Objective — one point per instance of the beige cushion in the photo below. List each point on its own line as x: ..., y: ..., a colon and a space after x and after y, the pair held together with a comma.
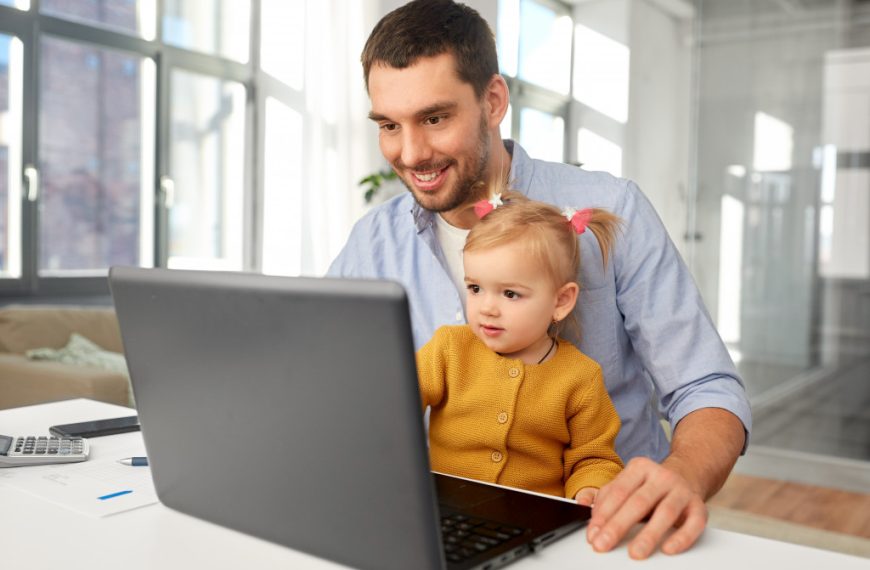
x: 24, y: 382
x: 24, y: 327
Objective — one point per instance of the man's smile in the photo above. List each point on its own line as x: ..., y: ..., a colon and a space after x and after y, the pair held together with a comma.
x: 429, y: 179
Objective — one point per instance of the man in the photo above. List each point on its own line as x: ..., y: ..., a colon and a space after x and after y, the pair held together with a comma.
x: 432, y: 76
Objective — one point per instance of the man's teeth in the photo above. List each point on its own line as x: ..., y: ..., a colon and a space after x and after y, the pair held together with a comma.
x: 428, y: 177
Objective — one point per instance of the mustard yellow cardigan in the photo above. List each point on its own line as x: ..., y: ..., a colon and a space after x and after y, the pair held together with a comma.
x: 547, y: 427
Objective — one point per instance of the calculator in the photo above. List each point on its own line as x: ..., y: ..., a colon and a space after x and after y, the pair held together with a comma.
x: 40, y: 450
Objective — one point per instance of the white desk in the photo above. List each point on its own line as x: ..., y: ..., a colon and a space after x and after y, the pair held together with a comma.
x: 38, y: 534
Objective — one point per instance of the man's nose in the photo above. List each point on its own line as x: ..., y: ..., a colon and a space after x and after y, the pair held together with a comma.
x: 415, y: 148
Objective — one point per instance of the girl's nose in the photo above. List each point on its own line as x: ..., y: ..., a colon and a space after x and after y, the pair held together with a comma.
x: 489, y: 306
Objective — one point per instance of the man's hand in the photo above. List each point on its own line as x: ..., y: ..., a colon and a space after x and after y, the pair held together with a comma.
x: 705, y: 447
x: 646, y: 487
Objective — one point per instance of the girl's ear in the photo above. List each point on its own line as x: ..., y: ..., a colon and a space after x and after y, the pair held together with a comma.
x: 566, y: 298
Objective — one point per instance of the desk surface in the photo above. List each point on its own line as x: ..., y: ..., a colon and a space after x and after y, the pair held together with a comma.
x: 46, y: 535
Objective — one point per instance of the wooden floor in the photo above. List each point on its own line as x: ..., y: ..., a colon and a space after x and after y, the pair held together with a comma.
x: 817, y: 507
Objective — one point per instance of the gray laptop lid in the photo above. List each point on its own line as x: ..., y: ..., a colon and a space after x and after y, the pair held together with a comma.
x: 308, y: 385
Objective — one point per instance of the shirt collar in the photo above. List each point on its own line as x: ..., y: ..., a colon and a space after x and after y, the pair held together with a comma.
x: 522, y: 167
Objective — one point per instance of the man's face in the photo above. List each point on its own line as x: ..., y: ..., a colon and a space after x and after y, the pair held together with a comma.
x: 432, y: 130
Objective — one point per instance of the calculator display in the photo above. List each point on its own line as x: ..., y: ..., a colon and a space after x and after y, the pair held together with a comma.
x: 5, y: 444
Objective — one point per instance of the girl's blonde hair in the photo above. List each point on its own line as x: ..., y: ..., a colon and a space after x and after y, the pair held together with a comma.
x: 545, y: 233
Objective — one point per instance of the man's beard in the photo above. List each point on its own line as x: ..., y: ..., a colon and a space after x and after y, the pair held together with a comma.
x: 468, y: 187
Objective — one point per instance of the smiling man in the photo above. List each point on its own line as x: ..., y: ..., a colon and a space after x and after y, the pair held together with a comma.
x: 432, y: 76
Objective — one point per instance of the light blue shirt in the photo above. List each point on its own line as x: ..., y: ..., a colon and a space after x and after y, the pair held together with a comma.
x: 642, y: 317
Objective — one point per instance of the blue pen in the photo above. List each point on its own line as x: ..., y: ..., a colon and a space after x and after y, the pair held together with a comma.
x: 134, y: 461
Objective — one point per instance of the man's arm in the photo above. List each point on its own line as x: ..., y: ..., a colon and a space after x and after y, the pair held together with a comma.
x: 705, y: 446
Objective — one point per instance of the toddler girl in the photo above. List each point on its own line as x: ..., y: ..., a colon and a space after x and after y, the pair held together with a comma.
x: 511, y: 402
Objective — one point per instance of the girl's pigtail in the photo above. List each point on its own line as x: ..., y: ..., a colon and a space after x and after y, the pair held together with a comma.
x: 603, y: 224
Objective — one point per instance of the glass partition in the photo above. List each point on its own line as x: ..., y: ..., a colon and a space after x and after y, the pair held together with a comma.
x: 783, y: 213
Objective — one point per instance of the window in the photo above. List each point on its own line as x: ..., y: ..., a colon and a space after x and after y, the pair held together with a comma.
x: 282, y: 190
x: 282, y: 41
x: 545, y: 47
x: 130, y: 16
x: 10, y: 156
x: 542, y: 134
x: 91, y: 158
x: 556, y: 89
x: 216, y: 27
x: 207, y: 141
x: 534, y: 45
x: 156, y: 132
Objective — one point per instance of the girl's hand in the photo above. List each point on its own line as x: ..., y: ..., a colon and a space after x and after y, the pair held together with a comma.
x: 586, y: 496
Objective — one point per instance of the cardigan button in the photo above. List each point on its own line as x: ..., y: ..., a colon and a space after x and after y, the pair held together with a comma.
x: 496, y: 456
x: 502, y: 418
x: 513, y: 372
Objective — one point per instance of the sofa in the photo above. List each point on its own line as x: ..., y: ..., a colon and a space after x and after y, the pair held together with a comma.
x: 45, y: 329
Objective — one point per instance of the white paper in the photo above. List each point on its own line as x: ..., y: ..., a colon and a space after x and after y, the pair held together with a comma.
x: 97, y: 487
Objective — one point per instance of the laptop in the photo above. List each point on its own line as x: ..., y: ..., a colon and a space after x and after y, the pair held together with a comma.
x: 288, y: 408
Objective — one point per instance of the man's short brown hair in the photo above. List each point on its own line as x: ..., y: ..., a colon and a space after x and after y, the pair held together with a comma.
x: 426, y: 28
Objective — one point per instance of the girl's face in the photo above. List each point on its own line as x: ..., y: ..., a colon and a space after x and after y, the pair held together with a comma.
x: 511, y: 301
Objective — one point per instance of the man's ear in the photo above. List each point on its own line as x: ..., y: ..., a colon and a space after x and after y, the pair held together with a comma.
x: 566, y: 298
x: 496, y: 100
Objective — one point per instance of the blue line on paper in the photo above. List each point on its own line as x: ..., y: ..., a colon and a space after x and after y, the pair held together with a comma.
x: 113, y: 495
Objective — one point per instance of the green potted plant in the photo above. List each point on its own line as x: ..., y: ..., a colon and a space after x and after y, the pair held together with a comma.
x: 373, y: 183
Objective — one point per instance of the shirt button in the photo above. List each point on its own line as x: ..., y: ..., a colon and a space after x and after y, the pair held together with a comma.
x: 502, y: 418
x: 496, y: 456
x: 514, y: 372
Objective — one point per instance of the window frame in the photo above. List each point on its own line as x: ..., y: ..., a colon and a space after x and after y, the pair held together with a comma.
x: 525, y: 94
x: 30, y: 26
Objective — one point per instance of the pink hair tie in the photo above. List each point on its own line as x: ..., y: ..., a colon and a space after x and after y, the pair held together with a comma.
x: 483, y: 207
x: 578, y: 219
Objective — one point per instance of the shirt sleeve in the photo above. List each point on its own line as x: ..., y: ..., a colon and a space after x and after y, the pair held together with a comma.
x: 356, y: 258
x: 667, y: 322
x: 590, y: 459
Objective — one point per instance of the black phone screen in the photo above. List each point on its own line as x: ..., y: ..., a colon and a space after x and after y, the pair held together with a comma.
x: 97, y: 428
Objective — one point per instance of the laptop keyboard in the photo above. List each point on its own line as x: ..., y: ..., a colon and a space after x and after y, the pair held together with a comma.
x: 465, y: 536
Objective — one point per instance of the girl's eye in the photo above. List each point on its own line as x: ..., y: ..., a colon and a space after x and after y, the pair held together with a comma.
x: 511, y: 294
x: 474, y: 288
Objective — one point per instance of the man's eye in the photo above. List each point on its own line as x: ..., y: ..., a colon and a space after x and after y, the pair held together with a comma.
x: 389, y: 127
x: 474, y: 288
x: 433, y: 120
x: 511, y: 294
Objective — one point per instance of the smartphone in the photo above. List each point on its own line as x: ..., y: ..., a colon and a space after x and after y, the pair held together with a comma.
x: 97, y: 428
